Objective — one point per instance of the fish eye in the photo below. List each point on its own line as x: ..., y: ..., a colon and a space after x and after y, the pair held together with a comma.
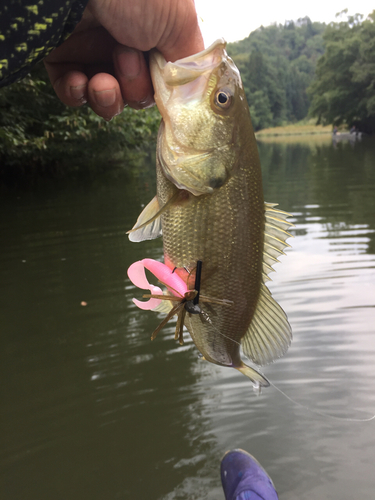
x: 223, y: 98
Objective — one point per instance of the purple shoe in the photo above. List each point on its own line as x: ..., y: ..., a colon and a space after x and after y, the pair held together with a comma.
x: 243, y: 478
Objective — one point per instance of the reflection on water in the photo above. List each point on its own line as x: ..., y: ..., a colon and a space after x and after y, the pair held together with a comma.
x: 91, y: 408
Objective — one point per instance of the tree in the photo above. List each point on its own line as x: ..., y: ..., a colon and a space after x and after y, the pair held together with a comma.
x: 364, y: 67
x: 260, y: 110
x: 37, y: 129
x: 262, y: 81
x: 344, y: 89
x: 277, y: 63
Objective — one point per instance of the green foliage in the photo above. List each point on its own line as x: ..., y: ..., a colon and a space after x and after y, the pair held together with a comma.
x: 344, y: 91
x: 260, y: 110
x: 37, y: 129
x: 277, y: 64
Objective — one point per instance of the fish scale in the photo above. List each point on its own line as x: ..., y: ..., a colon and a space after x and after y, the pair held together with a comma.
x: 224, y: 232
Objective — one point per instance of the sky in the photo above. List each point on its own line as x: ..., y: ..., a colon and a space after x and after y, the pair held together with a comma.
x: 235, y: 19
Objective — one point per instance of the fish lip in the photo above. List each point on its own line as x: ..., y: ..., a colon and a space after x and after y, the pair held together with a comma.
x: 190, y: 68
x: 219, y: 42
x: 166, y: 75
x: 197, y: 63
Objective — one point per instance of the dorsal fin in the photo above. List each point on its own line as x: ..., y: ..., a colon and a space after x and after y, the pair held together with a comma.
x: 269, y: 334
x: 275, y: 236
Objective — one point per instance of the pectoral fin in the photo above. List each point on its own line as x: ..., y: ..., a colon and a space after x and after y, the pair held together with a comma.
x: 148, y: 225
x: 164, y: 307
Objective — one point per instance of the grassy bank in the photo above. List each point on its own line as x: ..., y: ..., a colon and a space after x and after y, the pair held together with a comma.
x: 299, y: 128
x: 310, y: 140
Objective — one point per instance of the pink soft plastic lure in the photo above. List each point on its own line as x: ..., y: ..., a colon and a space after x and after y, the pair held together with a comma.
x: 163, y: 273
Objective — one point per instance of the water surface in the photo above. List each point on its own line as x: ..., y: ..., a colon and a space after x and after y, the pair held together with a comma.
x: 91, y: 408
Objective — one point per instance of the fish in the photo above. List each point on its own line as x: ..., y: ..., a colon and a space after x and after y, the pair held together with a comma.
x: 210, y: 211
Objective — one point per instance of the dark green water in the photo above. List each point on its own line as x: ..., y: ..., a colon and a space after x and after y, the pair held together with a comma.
x: 92, y: 409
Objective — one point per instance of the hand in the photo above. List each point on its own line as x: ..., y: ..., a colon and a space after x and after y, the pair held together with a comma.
x: 103, y: 63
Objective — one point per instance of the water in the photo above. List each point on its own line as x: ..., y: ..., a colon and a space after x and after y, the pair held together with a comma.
x: 91, y: 408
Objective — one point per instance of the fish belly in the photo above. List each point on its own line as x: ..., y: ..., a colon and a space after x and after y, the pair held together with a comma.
x: 225, y: 231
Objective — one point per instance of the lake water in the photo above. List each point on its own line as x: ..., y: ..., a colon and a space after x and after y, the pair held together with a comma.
x: 92, y: 409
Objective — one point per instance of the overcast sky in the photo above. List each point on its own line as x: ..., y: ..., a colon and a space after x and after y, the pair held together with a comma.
x: 235, y: 19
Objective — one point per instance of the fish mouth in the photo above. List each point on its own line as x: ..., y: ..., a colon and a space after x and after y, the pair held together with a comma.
x: 185, y: 74
x: 189, y: 68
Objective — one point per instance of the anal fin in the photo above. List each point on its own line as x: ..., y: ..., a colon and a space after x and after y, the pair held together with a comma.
x: 269, y: 334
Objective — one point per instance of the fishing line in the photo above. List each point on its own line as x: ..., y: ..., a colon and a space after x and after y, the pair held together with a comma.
x: 207, y: 318
x: 321, y: 413
x: 293, y: 401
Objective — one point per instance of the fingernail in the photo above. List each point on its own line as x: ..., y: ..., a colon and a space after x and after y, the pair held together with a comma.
x: 148, y: 102
x: 128, y: 62
x: 79, y: 93
x: 105, y: 98
x: 119, y: 110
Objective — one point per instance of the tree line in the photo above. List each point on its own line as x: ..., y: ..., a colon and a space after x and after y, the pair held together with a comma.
x: 304, y: 69
x: 290, y: 72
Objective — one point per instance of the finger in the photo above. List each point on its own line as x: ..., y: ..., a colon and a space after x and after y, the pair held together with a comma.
x: 71, y: 65
x: 69, y: 83
x: 104, y: 96
x: 184, y: 38
x: 133, y: 76
x: 184, y: 46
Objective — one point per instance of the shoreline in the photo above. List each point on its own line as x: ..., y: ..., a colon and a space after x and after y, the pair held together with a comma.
x: 294, y: 129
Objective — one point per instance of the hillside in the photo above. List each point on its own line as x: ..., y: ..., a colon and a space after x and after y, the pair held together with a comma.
x: 277, y: 64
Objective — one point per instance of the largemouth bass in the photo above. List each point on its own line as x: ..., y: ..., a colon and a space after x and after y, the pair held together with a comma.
x: 210, y: 210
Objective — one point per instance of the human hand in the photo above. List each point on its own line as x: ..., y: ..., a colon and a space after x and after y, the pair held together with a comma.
x: 102, y: 62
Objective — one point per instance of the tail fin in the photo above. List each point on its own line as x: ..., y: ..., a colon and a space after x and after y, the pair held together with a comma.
x: 257, y: 378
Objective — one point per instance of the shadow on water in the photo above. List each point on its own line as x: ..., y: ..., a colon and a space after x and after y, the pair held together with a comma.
x: 88, y: 402
x: 92, y: 409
